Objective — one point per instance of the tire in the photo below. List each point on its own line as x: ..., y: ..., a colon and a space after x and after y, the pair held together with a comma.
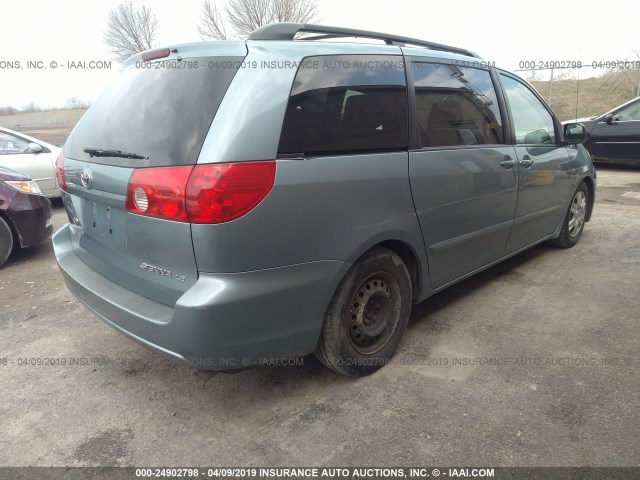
x: 6, y: 241
x: 574, y: 219
x: 367, y: 315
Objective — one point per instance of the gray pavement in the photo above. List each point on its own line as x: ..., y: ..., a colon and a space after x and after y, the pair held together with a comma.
x: 534, y: 362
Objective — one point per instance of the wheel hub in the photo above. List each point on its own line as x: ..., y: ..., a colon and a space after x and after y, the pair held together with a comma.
x: 578, y: 213
x: 370, y: 314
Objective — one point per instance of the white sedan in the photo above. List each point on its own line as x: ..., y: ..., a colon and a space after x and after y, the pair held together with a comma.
x: 32, y: 157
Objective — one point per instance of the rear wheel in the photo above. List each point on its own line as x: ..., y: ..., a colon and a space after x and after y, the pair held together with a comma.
x: 367, y: 315
x: 575, y: 218
x: 6, y: 241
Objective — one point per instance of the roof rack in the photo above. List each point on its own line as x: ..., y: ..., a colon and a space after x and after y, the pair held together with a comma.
x: 288, y: 30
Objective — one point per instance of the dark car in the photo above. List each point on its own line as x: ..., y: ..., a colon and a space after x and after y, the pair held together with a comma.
x: 615, y: 135
x: 25, y: 214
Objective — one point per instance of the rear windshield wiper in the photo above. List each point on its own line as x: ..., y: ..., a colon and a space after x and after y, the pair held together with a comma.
x: 100, y: 152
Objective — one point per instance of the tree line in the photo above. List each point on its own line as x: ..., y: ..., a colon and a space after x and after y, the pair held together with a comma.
x: 72, y: 103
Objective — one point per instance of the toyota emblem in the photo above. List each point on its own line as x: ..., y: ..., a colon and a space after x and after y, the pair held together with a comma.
x: 85, y: 178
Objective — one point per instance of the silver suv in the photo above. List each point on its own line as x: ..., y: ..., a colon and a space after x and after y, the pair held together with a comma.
x: 231, y: 203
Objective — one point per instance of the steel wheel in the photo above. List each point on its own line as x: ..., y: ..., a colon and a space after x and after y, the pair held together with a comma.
x: 367, y: 315
x: 374, y: 313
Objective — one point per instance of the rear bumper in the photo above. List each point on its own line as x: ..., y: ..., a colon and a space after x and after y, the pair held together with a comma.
x: 224, y: 321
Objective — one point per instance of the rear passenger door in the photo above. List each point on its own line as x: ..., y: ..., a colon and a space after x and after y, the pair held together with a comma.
x: 342, y: 181
x: 463, y: 176
x: 545, y: 181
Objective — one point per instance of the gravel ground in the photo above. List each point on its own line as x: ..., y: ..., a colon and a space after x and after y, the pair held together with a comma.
x: 556, y: 333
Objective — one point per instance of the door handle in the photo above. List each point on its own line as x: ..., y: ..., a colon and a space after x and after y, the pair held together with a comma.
x: 526, y: 162
x: 507, y: 162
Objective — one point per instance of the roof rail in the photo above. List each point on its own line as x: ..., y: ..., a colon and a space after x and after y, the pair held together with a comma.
x: 288, y: 30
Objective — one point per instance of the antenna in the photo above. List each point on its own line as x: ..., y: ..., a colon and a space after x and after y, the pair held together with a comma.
x: 578, y: 93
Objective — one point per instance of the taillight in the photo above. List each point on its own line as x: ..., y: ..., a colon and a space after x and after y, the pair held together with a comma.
x: 159, y: 192
x: 62, y: 182
x: 221, y: 192
x: 212, y: 193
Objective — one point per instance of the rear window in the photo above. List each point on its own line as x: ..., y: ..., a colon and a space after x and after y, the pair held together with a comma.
x: 346, y: 103
x: 162, y: 113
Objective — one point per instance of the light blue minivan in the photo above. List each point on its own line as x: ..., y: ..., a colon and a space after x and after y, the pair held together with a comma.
x: 235, y: 202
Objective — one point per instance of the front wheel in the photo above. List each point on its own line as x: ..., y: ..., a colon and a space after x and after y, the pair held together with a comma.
x: 6, y: 241
x: 575, y: 218
x: 367, y: 315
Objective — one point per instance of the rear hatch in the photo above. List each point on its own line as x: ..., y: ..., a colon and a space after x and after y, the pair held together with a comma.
x: 160, y: 111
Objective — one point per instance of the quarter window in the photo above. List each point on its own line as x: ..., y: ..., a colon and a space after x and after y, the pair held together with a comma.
x: 343, y: 104
x: 455, y: 105
x: 532, y: 122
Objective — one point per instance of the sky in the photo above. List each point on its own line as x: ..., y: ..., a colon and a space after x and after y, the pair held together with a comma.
x: 52, y: 34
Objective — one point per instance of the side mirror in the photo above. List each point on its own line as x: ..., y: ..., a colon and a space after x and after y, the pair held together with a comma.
x: 609, y: 119
x: 34, y: 148
x: 574, y: 133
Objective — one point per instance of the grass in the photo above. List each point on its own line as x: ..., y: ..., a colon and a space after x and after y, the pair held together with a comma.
x: 591, y: 96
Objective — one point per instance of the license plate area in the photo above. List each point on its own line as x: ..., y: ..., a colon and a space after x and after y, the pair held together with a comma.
x: 103, y: 223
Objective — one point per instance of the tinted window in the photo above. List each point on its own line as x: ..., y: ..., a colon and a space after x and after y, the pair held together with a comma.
x: 345, y: 103
x: 163, y: 113
x: 455, y: 105
x: 532, y: 122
